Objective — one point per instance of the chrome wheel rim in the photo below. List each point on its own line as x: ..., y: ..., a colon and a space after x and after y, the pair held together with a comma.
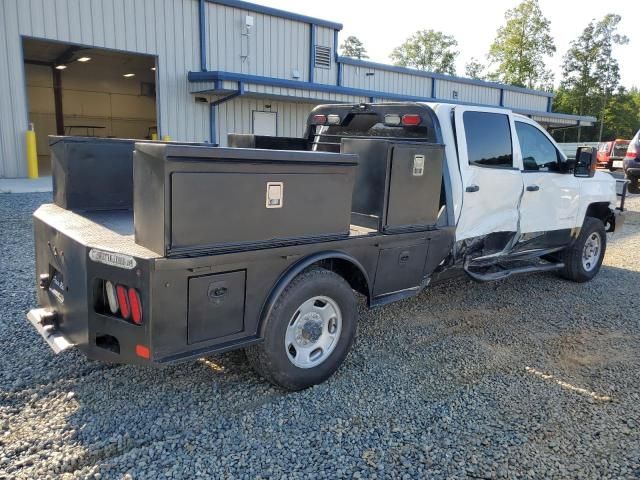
x: 313, y: 332
x: 591, y: 252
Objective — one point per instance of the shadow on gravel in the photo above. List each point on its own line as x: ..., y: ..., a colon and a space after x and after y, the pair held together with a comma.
x: 458, y: 358
x: 530, y: 377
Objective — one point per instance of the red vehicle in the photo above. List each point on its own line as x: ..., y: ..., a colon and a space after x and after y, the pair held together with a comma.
x: 611, y: 154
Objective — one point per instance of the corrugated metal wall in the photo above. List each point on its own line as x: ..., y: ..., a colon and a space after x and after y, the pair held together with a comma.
x: 166, y: 28
x: 327, y: 76
x: 236, y: 116
x: 169, y: 29
x: 465, y: 92
x: 273, y: 47
x: 385, y: 81
x: 525, y: 101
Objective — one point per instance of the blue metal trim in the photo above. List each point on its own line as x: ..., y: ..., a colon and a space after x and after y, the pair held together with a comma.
x: 502, y: 97
x: 231, y: 96
x: 297, y: 84
x: 339, y: 79
x: 433, y: 88
x: 212, y: 123
x: 371, y: 99
x: 277, y: 13
x: 440, y: 76
x: 549, y: 104
x: 203, y: 36
x: 312, y: 52
x: 215, y: 103
x: 335, y: 45
x: 281, y: 82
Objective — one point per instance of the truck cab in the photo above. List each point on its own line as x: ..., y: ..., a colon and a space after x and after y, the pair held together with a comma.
x: 507, y: 183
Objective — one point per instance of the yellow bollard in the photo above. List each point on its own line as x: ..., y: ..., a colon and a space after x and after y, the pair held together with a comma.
x: 154, y: 136
x: 166, y: 138
x: 32, y: 153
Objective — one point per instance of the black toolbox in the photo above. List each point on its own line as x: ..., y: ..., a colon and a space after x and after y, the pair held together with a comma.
x: 398, y: 183
x: 91, y: 173
x: 191, y: 200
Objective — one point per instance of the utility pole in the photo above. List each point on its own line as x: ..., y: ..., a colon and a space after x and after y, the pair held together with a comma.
x: 604, y: 97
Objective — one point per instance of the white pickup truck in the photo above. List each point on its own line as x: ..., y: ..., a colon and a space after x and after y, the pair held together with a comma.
x: 262, y: 245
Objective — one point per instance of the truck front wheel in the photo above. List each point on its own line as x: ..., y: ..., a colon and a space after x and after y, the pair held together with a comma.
x: 309, y: 331
x: 582, y: 261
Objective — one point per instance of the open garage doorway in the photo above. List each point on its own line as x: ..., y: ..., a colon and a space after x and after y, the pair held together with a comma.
x: 86, y: 91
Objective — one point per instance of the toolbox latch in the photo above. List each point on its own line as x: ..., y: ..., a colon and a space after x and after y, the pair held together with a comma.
x: 274, y: 194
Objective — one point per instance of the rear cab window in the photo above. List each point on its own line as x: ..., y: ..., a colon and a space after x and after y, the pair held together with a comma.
x: 489, y: 141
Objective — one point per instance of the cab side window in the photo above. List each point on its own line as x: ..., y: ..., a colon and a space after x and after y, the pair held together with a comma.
x: 538, y: 153
x: 488, y: 139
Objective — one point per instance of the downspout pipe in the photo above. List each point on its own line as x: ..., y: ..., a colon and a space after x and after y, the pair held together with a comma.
x: 212, y: 110
x: 203, y: 36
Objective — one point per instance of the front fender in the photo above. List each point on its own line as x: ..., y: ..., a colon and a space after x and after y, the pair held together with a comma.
x: 601, y: 188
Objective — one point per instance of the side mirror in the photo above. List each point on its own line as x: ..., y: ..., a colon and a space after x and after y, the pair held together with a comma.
x: 569, y: 165
x: 585, y: 163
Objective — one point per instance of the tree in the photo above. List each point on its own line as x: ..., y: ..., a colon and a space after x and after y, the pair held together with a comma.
x: 474, y: 69
x: 428, y: 50
x: 622, y: 115
x: 590, y: 73
x: 521, y: 46
x: 354, y: 48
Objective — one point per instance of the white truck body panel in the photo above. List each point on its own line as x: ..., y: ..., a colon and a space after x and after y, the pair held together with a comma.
x: 503, y: 203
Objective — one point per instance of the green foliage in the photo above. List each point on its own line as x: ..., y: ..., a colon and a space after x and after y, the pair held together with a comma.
x: 354, y: 48
x: 590, y: 76
x: 474, y: 69
x: 521, y: 46
x: 428, y: 50
x: 622, y: 115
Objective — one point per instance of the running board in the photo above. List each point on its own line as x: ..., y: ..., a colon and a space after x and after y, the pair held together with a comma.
x: 505, y: 273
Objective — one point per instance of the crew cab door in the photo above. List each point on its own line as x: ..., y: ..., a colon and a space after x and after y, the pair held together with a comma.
x: 549, y: 206
x: 491, y: 177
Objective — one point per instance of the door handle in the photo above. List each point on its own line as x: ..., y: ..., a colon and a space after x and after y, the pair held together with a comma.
x: 472, y: 188
x: 532, y: 188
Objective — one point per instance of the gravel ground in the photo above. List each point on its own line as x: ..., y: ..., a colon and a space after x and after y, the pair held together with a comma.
x: 532, y: 377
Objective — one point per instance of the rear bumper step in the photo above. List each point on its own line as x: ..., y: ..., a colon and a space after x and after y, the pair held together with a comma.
x: 39, y: 318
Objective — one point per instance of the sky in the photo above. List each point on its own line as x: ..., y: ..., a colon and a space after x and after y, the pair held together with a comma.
x: 381, y: 26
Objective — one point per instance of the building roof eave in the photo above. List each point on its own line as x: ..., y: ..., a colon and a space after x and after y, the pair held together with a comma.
x: 210, y: 82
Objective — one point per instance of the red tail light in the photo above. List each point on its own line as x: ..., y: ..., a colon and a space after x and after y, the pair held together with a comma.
x: 136, y: 307
x: 411, y: 120
x: 123, y: 301
x: 319, y: 119
x: 631, y: 151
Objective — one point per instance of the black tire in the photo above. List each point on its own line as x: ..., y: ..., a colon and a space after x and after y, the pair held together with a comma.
x: 574, y: 268
x: 270, y: 358
x: 634, y: 185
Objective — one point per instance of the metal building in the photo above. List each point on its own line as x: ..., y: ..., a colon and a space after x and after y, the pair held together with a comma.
x: 199, y: 69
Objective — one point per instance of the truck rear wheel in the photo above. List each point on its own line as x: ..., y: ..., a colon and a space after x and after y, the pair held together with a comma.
x: 582, y: 261
x: 309, y: 331
x: 634, y: 185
